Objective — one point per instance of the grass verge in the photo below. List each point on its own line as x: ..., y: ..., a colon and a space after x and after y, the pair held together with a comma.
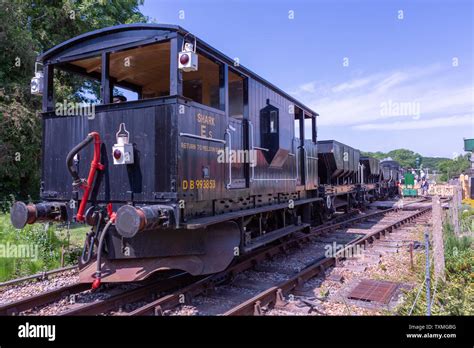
x: 36, y: 248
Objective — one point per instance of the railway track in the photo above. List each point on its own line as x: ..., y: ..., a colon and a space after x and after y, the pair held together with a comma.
x: 38, y: 276
x: 275, y: 295
x: 101, y: 304
x: 41, y: 299
x: 260, y: 282
x: 156, y: 297
x: 79, y: 299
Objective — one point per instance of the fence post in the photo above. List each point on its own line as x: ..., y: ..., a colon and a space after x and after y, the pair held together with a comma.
x: 427, y: 274
x: 437, y: 237
x: 455, y: 210
x: 62, y: 256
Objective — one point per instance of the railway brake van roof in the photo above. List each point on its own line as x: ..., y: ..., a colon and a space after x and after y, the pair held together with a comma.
x: 126, y: 36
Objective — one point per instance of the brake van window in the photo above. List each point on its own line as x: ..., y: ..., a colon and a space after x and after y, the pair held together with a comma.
x: 202, y: 85
x: 143, y: 72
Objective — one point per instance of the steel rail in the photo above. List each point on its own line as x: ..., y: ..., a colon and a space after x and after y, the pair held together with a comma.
x: 275, y: 295
x: 37, y: 276
x: 94, y: 308
x: 175, y: 298
x: 41, y: 299
x: 127, y: 296
x: 185, y: 294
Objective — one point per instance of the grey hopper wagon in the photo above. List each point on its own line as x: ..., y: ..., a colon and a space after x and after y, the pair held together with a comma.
x: 337, y: 162
x: 371, y: 169
x: 390, y: 170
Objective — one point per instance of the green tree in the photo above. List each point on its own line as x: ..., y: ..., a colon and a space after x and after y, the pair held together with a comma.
x: 453, y: 168
x: 406, y: 158
x: 445, y: 166
x: 379, y: 155
x: 433, y: 162
x: 27, y: 28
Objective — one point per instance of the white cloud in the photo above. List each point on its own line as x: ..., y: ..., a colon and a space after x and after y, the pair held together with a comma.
x: 441, y: 122
x: 308, y: 87
x: 438, y: 93
x: 351, y: 85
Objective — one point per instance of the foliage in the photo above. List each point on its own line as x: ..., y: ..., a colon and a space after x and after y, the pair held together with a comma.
x: 42, y: 243
x: 457, y: 292
x: 406, y: 158
x: 453, y: 168
x: 454, y: 295
x: 19, y: 148
x: 432, y: 162
x: 45, y: 243
x: 445, y: 166
x: 468, y: 201
x: 27, y: 28
x: 467, y: 216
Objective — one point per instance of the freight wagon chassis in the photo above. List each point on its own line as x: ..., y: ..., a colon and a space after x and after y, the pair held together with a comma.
x: 203, y: 246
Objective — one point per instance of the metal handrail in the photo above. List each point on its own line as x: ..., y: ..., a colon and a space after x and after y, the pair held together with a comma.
x: 189, y: 135
x: 229, y: 184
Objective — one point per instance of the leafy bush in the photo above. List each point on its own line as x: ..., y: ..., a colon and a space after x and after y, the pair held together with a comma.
x: 43, y: 244
x: 26, y: 29
x: 455, y: 295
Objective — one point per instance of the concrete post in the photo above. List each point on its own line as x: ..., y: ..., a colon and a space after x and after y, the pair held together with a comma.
x: 437, y: 237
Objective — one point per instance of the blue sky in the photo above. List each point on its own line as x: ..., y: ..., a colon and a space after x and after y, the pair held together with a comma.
x: 382, y: 74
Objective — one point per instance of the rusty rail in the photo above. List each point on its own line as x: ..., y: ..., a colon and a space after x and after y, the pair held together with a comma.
x: 93, y: 308
x: 42, y: 299
x: 192, y: 285
x: 183, y: 296
x: 37, y: 276
x: 120, y: 299
x: 275, y: 295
